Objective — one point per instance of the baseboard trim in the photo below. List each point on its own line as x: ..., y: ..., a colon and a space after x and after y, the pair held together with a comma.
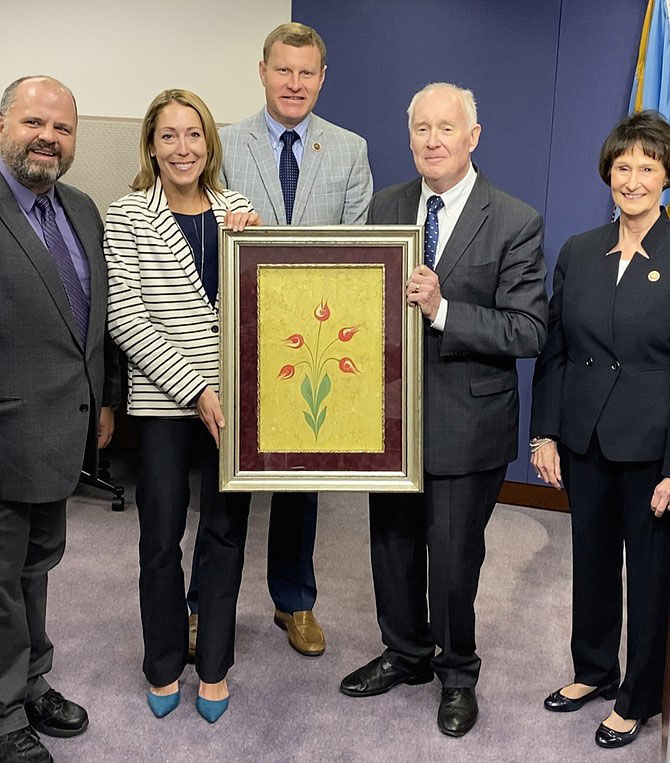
x: 536, y: 496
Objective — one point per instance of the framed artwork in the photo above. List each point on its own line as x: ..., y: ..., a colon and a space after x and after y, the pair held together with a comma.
x: 321, y: 359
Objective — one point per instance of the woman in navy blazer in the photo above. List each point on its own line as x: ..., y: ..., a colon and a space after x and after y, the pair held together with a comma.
x: 600, y: 421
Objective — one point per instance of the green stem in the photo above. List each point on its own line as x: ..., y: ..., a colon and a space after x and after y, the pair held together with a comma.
x: 324, y: 363
x: 316, y: 355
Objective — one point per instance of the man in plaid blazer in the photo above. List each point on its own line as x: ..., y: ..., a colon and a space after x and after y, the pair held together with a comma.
x: 334, y: 186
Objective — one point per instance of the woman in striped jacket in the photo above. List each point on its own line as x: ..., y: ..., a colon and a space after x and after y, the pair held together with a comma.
x: 162, y: 254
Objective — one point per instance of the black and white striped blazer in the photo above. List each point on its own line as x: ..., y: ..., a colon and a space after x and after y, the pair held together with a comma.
x: 159, y: 313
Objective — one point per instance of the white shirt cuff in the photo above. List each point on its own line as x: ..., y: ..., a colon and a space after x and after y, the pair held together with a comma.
x: 441, y: 318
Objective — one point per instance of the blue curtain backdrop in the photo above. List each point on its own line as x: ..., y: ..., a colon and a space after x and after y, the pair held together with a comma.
x: 551, y: 78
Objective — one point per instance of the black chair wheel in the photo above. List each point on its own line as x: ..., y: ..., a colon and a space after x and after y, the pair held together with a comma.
x: 118, y: 503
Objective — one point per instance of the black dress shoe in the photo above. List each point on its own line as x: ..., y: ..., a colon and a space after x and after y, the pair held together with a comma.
x: 609, y: 738
x: 458, y: 711
x: 559, y: 703
x: 56, y: 716
x: 23, y: 746
x: 380, y: 675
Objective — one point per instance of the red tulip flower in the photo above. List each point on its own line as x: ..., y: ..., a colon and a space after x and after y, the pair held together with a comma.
x: 345, y: 334
x: 322, y: 312
x: 286, y: 372
x: 294, y: 341
x: 347, y: 366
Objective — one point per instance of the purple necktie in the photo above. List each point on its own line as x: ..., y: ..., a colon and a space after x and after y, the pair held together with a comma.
x: 432, y: 233
x: 68, y: 275
x: 288, y: 171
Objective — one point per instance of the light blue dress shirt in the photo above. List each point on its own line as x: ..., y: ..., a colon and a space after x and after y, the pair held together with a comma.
x: 275, y: 131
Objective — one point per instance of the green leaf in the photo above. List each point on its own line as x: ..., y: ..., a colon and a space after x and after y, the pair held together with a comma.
x: 324, y: 389
x: 306, y: 390
x: 310, y: 420
x: 320, y: 420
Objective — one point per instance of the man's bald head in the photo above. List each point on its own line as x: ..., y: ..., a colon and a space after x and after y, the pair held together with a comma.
x: 38, y: 131
x: 9, y: 95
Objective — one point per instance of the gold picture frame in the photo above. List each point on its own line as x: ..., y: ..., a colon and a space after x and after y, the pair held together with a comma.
x: 321, y: 359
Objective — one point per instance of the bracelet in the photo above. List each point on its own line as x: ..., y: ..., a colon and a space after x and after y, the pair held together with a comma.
x: 539, y: 442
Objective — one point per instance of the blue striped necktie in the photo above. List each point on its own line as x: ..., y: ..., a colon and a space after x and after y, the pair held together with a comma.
x: 432, y: 233
x: 288, y: 171
x: 68, y: 275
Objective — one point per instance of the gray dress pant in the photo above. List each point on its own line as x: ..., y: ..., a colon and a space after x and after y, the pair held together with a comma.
x: 32, y: 542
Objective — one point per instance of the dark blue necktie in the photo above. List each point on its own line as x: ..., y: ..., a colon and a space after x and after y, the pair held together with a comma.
x: 68, y: 275
x: 288, y: 171
x: 432, y: 232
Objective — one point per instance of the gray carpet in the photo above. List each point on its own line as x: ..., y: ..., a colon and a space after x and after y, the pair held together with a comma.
x: 287, y: 707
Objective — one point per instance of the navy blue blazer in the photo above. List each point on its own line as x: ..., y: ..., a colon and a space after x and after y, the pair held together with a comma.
x: 606, y: 364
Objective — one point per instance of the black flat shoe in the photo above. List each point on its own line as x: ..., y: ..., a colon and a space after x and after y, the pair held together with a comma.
x: 458, y: 711
x: 559, y: 703
x: 380, y: 675
x: 609, y: 738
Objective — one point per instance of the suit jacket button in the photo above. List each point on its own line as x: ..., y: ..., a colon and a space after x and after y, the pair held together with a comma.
x: 615, y: 366
x: 215, y: 329
x: 83, y: 407
x: 589, y: 361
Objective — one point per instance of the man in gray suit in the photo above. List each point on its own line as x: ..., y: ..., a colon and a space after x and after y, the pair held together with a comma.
x: 296, y: 169
x: 481, y: 292
x: 53, y: 292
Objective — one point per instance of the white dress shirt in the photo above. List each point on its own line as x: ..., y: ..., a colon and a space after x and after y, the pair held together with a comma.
x: 454, y: 201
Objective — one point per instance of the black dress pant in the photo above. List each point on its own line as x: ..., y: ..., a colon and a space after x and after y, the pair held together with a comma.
x: 448, y: 522
x: 167, y: 449
x: 32, y: 541
x: 291, y: 538
x: 610, y: 505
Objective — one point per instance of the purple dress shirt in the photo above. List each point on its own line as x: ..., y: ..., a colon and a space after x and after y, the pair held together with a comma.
x: 25, y: 198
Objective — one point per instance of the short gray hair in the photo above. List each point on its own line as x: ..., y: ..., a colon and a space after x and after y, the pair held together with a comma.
x: 9, y: 96
x: 466, y: 97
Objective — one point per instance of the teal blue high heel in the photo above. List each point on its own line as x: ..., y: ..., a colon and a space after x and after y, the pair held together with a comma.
x: 161, y: 705
x: 210, y: 709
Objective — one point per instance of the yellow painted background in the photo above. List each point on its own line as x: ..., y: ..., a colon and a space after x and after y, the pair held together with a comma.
x: 287, y: 298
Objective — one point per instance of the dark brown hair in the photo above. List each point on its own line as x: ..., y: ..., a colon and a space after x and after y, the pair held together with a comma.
x: 649, y: 130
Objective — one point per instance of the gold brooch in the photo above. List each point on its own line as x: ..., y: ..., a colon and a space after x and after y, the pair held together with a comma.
x: 654, y: 276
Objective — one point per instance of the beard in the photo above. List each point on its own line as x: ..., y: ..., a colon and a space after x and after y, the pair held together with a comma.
x: 30, y: 173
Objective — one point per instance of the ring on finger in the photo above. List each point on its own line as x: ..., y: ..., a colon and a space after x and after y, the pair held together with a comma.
x: 416, y: 287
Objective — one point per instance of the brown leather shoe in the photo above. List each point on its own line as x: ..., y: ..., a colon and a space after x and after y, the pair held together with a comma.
x: 192, y: 635
x: 304, y: 632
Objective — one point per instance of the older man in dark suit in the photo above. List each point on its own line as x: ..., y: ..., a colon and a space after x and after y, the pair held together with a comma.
x: 481, y: 292
x: 53, y: 292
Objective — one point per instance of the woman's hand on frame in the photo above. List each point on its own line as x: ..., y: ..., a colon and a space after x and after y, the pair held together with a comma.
x: 238, y: 221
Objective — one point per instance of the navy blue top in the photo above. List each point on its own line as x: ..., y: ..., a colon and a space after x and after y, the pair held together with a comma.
x: 192, y: 227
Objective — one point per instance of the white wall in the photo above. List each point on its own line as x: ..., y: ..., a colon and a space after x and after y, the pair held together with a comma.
x: 116, y: 55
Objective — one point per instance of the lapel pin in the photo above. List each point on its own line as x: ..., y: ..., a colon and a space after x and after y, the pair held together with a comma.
x: 654, y: 276
x: 316, y: 146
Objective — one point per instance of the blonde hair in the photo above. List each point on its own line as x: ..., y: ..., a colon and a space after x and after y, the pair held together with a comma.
x: 295, y: 34
x: 148, y: 173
